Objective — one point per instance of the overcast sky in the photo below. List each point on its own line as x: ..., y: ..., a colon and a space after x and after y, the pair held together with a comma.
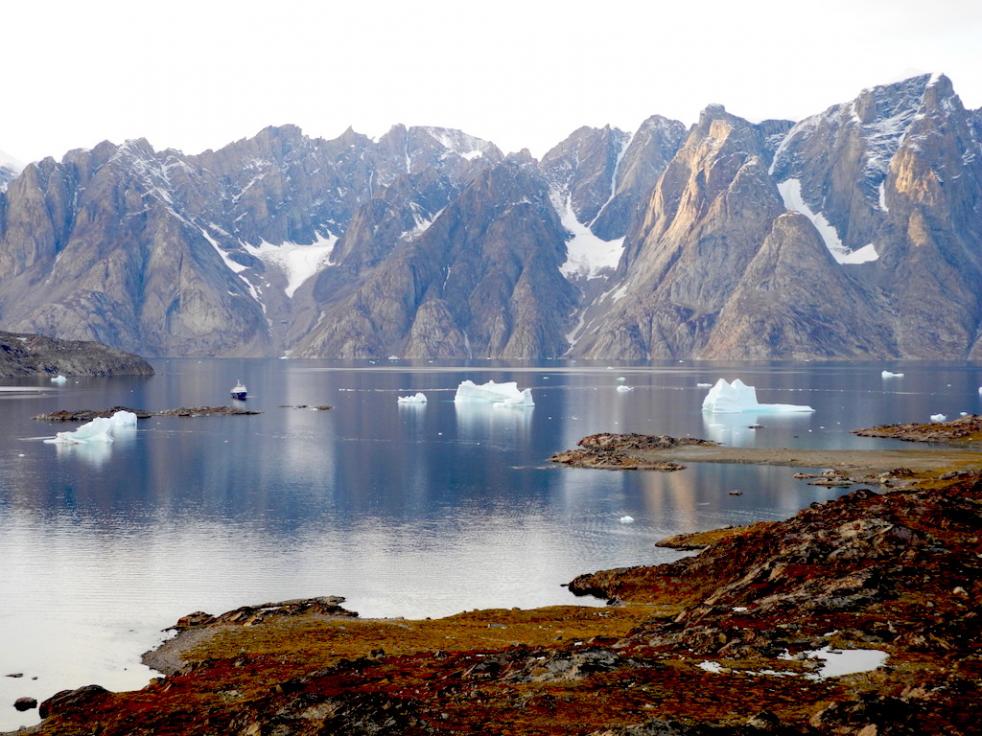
x: 196, y: 75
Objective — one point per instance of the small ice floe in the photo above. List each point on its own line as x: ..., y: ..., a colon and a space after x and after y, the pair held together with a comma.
x: 60, y: 380
x: 621, y: 379
x: 622, y: 389
x: 889, y: 374
x: 494, y: 394
x: 704, y: 385
x: 99, y: 430
x: 417, y: 399
x: 963, y: 413
x: 938, y: 417
x: 732, y: 398
x: 393, y: 357
x: 626, y: 519
x: 839, y: 662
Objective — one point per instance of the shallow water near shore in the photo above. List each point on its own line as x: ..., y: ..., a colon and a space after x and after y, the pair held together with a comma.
x: 405, y: 510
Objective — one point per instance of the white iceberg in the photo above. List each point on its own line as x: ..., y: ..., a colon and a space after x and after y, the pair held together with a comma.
x: 888, y: 374
x: 626, y: 519
x: 704, y: 385
x: 737, y: 397
x: 495, y: 394
x: 99, y: 430
x: 417, y: 398
x: 938, y: 417
x: 60, y: 380
x: 622, y: 389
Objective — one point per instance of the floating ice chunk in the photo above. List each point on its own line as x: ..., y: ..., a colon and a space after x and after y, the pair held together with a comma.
x: 417, y: 398
x: 888, y: 374
x: 393, y: 357
x: 626, y: 519
x: 496, y: 394
x: 963, y: 413
x: 704, y: 385
x: 736, y: 397
x: 621, y: 379
x: 622, y: 389
x: 99, y: 430
x: 938, y: 417
x: 60, y: 380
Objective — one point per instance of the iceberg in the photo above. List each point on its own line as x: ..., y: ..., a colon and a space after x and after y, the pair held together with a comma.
x: 495, y: 394
x: 704, y: 385
x: 938, y: 417
x: 888, y: 374
x: 626, y: 519
x: 737, y: 397
x: 60, y: 380
x: 99, y: 430
x: 417, y: 398
x: 622, y: 389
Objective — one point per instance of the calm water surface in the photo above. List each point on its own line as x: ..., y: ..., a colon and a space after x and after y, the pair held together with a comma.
x: 404, y: 510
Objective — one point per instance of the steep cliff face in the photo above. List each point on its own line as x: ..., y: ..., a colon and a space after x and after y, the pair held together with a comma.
x: 481, y: 280
x: 707, y: 217
x: 641, y: 163
x: 794, y: 301
x: 931, y: 241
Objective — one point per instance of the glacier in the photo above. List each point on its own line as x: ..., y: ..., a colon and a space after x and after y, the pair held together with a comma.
x: 737, y: 397
x: 494, y: 394
x: 99, y: 430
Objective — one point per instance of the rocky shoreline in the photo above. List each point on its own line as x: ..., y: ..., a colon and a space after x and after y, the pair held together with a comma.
x: 625, y: 451
x: 841, y: 468
x: 87, y: 415
x: 737, y: 639
x: 24, y: 355
x: 963, y: 430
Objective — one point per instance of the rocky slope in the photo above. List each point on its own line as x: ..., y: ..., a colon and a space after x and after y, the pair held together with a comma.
x: 24, y: 355
x: 428, y: 242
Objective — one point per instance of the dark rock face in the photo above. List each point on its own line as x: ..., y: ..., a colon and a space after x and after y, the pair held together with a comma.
x: 483, y: 279
x: 25, y: 703
x: 80, y: 698
x: 28, y: 355
x: 334, y: 248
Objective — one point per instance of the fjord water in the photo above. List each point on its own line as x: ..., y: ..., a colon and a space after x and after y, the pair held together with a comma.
x: 405, y: 510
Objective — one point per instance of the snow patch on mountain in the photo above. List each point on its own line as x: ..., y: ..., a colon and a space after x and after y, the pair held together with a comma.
x: 587, y: 256
x: 297, y: 261
x: 790, y: 190
x: 457, y: 141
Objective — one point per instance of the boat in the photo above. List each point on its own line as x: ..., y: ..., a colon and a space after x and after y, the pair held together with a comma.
x: 239, y: 391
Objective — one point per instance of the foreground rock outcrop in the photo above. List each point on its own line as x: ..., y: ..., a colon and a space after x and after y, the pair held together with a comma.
x: 725, y: 642
x: 29, y: 355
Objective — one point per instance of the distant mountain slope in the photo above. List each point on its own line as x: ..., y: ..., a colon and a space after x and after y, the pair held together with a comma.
x: 856, y: 232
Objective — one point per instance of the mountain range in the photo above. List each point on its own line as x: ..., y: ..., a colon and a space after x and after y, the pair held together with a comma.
x: 854, y: 233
